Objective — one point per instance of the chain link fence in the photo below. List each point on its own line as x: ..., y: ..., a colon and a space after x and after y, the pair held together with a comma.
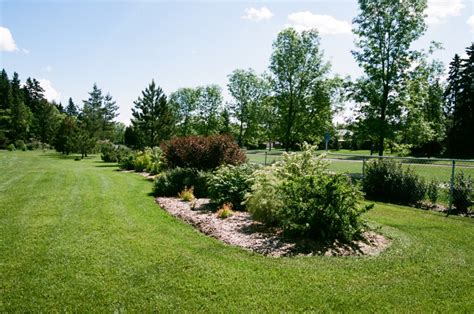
x: 451, y: 177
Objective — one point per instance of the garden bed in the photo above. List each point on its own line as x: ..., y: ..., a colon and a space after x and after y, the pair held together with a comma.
x: 240, y: 230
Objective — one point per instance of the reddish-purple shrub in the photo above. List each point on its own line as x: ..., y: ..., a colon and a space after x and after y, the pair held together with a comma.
x: 202, y: 152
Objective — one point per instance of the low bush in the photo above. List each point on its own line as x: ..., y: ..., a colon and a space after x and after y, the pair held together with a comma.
x: 113, y: 153
x: 187, y: 194
x: 300, y: 195
x: 34, y: 144
x: 230, y: 184
x: 462, y: 193
x: 142, y: 161
x: 225, y: 211
x: 20, y: 145
x: 387, y: 181
x: 432, y: 191
x: 173, y: 181
x: 11, y: 147
x: 127, y: 162
x: 156, y: 164
x: 200, y: 152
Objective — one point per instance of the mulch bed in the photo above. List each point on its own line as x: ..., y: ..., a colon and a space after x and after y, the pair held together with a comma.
x: 240, y: 230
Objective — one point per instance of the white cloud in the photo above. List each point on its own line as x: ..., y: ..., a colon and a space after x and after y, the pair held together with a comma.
x: 50, y: 93
x: 25, y: 51
x: 6, y: 40
x: 257, y: 15
x: 439, y: 11
x: 325, y: 24
x: 48, y: 69
x: 470, y: 22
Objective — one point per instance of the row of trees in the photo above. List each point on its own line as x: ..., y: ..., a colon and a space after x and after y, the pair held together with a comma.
x: 26, y: 116
x: 291, y: 103
x: 402, y: 101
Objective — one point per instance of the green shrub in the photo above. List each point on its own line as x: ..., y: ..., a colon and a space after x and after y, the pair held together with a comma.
x: 201, y: 152
x: 462, y: 193
x: 127, y: 161
x: 113, y: 153
x: 34, y: 144
x: 387, y: 181
x: 230, y: 184
x: 20, y: 145
x: 173, y: 181
x: 187, y: 194
x: 156, y: 161
x: 11, y: 147
x: 300, y: 195
x: 142, y: 161
x: 432, y: 191
x: 225, y: 211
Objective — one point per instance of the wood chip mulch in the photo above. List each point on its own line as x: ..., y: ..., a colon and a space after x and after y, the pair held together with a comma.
x: 240, y: 230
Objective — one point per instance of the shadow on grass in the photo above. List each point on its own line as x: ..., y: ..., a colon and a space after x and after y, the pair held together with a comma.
x: 107, y: 166
x: 63, y: 156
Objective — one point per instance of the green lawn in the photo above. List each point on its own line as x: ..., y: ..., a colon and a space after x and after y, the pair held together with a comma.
x: 80, y: 236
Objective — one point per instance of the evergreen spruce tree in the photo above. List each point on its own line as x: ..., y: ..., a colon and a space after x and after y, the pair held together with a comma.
x: 152, y: 116
x: 71, y: 108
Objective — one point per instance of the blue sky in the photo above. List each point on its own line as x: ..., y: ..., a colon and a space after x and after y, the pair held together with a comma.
x: 122, y: 45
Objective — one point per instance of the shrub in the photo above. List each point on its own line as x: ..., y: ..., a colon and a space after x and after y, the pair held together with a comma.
x: 173, y: 181
x: 201, y: 152
x: 432, y: 191
x: 300, y: 195
x: 34, y: 144
x: 387, y: 181
x: 462, y: 193
x: 141, y: 161
x: 11, y: 147
x: 230, y: 184
x: 113, y: 153
x: 127, y: 161
x: 20, y: 145
x: 186, y: 195
x: 225, y: 211
x: 156, y: 161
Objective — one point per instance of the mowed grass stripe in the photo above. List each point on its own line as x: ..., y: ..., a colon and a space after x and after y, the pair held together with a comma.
x: 81, y: 236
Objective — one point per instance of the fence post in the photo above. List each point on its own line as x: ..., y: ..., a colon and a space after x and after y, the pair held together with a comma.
x: 451, y: 186
x: 266, y: 158
x: 363, y: 167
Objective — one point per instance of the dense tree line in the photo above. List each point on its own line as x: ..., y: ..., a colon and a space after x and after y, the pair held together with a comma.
x: 27, y: 117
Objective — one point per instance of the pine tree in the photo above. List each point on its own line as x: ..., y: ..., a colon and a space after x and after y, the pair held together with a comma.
x: 64, y: 141
x: 20, y: 113
x: 460, y: 99
x: 71, y: 109
x: 152, y: 116
x: 5, y: 110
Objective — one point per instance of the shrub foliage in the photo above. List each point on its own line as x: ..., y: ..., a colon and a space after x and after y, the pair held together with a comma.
x: 202, y: 152
x: 300, y: 195
x: 173, y: 181
x: 230, y: 184
x: 388, y: 181
x: 462, y: 193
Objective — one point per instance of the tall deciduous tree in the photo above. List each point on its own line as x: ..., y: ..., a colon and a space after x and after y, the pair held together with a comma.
x: 209, y: 105
x: 152, y: 116
x: 184, y: 102
x: 248, y: 91
x: 300, y: 86
x: 385, y: 30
